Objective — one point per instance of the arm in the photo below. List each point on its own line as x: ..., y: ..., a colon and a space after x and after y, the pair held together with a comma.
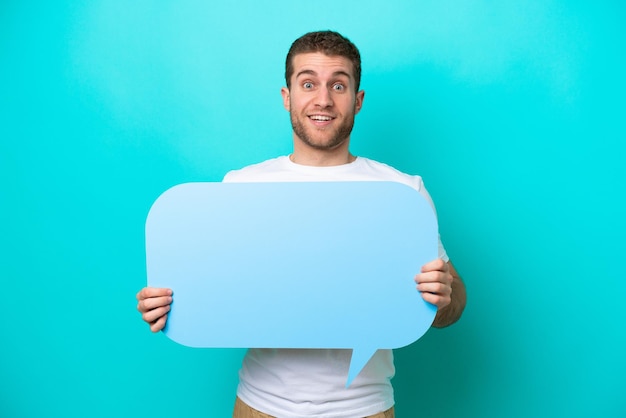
x: 154, y: 304
x: 440, y: 284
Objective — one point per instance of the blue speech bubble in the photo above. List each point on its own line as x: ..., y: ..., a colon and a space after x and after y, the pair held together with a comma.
x: 293, y: 265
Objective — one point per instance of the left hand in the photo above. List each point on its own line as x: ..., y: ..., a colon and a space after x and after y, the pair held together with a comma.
x: 435, y: 283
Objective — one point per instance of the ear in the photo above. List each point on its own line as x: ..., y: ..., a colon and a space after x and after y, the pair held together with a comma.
x: 286, y: 99
x: 358, y: 101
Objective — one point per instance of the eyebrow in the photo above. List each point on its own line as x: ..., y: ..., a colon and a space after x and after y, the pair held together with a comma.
x: 313, y: 73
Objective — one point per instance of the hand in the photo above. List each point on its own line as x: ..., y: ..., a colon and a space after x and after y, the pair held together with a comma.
x: 154, y: 304
x: 435, y: 283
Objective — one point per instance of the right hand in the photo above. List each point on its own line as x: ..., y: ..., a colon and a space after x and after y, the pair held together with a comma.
x: 154, y: 304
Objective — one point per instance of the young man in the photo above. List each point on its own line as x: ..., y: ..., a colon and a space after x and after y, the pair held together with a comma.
x: 323, y: 72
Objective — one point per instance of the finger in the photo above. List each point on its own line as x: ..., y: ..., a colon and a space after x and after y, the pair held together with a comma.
x: 146, y: 305
x: 159, y: 324
x: 151, y: 292
x: 434, y: 277
x: 437, y: 300
x: 435, y: 265
x: 435, y: 288
x: 155, y: 314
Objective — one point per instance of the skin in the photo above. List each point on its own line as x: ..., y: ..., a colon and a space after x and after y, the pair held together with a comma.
x: 440, y: 284
x: 322, y: 87
x: 322, y: 103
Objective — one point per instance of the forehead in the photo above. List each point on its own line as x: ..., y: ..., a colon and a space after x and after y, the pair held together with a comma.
x: 322, y: 64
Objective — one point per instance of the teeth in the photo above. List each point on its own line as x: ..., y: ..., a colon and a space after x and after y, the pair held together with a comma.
x: 321, y: 118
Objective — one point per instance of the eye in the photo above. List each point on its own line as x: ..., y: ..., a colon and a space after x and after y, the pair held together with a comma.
x: 339, y: 87
x: 307, y: 85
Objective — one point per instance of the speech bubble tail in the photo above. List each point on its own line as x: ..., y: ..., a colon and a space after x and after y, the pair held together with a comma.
x: 359, y: 359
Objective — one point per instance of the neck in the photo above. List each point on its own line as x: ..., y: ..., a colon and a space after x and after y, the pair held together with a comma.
x: 321, y: 159
x: 305, y: 155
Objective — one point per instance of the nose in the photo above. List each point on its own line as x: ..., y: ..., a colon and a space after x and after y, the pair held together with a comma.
x: 324, y: 98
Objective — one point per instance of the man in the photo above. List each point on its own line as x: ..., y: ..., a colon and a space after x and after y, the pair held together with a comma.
x: 323, y: 72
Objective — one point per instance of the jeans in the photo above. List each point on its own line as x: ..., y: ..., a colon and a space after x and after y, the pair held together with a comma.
x: 242, y: 410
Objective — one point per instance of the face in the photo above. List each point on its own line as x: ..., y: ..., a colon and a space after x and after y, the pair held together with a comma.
x: 322, y: 100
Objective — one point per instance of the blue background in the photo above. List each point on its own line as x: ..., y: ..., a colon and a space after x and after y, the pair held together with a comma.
x: 513, y: 113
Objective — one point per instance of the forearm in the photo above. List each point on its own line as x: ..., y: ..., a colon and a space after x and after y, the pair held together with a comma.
x: 453, y: 311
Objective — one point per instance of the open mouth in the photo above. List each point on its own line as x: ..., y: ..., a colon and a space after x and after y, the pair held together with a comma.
x: 320, y: 118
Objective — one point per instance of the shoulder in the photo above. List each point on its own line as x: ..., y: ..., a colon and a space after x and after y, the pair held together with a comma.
x: 386, y: 172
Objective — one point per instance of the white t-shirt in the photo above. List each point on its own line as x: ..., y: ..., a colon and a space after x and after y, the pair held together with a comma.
x: 299, y: 383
